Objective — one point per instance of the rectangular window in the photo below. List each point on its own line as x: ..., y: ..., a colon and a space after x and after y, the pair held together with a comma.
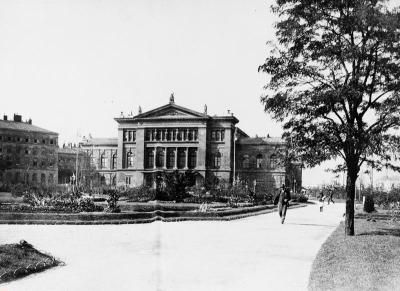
x: 192, y: 158
x: 150, y: 158
x: 27, y: 139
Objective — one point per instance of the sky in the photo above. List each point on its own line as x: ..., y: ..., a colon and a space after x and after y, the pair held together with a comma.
x: 72, y: 66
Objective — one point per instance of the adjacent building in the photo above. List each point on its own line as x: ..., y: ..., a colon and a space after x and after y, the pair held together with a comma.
x: 28, y: 153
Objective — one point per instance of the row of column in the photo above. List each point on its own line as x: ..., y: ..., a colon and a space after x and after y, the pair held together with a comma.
x: 173, y: 134
x: 165, y: 149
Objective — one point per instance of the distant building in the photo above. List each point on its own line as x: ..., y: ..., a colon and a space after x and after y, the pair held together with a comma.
x: 72, y: 160
x: 102, y: 154
x: 28, y: 153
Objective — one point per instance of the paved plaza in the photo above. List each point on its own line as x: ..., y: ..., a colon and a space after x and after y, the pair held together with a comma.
x: 255, y: 253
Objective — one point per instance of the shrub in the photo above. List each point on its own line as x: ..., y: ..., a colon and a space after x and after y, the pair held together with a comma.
x: 112, y: 201
x: 300, y: 198
x: 369, y: 204
x: 139, y: 194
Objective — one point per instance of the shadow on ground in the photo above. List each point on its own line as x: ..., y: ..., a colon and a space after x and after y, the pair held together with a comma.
x: 383, y: 231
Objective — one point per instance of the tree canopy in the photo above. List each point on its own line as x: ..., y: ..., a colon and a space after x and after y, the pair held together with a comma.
x: 334, y: 83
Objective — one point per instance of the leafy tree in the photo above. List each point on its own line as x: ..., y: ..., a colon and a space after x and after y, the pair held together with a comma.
x: 334, y: 83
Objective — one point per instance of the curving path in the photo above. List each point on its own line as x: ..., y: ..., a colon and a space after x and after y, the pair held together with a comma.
x: 255, y: 253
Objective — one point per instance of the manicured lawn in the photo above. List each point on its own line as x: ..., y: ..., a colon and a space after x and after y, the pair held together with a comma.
x: 17, y: 260
x: 370, y: 260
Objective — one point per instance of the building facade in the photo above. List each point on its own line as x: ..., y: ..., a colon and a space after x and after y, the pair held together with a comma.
x: 28, y: 153
x: 259, y: 163
x: 102, y: 154
x: 174, y: 138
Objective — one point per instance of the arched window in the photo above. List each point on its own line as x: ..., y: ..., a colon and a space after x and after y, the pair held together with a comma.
x: 114, y: 161
x: 129, y: 159
x: 259, y: 161
x: 245, y: 162
x: 103, y: 161
x: 273, y: 161
x: 218, y: 137
x: 34, y: 178
x: 217, y: 160
x: 51, y: 179
x: 43, y: 179
x: 102, y: 180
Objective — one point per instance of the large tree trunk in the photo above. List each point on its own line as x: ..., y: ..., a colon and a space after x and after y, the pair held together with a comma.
x: 350, y: 195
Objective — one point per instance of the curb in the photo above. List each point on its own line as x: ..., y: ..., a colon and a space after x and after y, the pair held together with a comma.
x: 158, y: 217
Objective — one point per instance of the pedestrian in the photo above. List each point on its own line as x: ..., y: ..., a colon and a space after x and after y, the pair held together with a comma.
x: 282, y: 199
x: 330, y: 199
x: 321, y: 199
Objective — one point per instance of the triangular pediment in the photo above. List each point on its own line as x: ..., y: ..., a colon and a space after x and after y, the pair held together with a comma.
x: 171, y: 111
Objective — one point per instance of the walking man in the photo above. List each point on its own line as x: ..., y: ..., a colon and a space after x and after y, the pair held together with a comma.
x: 330, y: 199
x: 282, y: 199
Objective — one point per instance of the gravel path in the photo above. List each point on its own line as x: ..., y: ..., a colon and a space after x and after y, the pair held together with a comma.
x: 255, y: 253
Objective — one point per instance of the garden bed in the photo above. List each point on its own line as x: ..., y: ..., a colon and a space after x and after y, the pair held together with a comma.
x: 370, y: 260
x: 19, y: 260
x: 132, y: 217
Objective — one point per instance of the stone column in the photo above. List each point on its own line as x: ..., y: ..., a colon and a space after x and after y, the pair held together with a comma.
x: 154, y: 157
x: 187, y: 158
x: 165, y: 157
x: 176, y: 159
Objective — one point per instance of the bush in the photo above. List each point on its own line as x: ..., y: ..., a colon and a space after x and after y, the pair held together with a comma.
x: 369, y: 204
x: 300, y: 198
x: 112, y: 201
x: 139, y: 194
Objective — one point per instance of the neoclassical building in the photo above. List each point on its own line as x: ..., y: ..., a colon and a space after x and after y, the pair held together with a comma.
x: 172, y: 137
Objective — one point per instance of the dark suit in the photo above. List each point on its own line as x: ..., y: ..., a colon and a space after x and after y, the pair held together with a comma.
x: 283, y: 203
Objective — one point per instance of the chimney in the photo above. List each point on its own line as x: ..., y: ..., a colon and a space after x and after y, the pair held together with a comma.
x: 29, y: 121
x: 17, y: 118
x: 5, y: 117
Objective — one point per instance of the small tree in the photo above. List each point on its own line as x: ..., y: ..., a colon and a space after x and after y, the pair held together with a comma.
x: 369, y: 205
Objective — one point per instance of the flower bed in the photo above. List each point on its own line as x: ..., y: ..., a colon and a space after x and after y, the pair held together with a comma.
x: 131, y: 217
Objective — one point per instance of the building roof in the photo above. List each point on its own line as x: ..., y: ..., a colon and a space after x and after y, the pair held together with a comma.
x: 67, y: 150
x: 172, y: 111
x: 101, y: 141
x: 23, y: 126
x: 261, y: 140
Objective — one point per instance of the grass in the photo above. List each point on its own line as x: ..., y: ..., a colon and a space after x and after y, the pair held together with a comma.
x: 370, y: 260
x: 17, y: 260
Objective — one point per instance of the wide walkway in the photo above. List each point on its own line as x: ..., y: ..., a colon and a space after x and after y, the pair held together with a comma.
x: 255, y: 253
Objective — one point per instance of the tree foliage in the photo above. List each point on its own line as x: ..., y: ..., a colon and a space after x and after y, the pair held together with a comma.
x: 335, y: 83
